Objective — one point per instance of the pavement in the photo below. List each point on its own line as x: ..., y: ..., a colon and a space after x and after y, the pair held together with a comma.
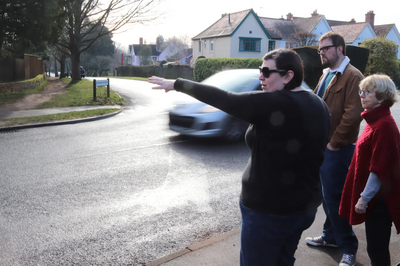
x: 223, y: 250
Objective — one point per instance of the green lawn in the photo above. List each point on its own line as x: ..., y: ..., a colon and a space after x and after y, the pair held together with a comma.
x: 79, y: 93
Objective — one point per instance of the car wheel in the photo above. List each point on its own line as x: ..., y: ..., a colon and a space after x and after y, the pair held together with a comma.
x: 235, y: 130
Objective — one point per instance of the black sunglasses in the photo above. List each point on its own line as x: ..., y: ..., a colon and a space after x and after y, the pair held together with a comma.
x: 266, y: 71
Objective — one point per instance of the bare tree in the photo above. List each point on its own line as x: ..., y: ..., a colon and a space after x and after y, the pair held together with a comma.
x: 176, y: 47
x: 303, y: 39
x: 88, y: 20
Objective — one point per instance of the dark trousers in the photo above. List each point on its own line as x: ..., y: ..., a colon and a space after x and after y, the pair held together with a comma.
x: 337, y: 229
x: 378, y: 230
x: 271, y: 240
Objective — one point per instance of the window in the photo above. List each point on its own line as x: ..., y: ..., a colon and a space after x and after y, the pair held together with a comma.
x: 154, y: 58
x: 271, y: 45
x: 250, y: 45
x: 211, y: 45
x: 199, y: 46
x: 205, y: 44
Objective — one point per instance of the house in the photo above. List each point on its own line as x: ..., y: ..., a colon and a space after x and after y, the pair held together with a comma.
x: 355, y: 33
x: 285, y: 29
x: 390, y: 32
x: 235, y: 35
x: 158, y: 54
x: 244, y: 34
x: 134, y: 49
x: 183, y: 57
x: 187, y: 56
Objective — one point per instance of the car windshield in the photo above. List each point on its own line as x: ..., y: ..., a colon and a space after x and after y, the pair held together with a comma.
x: 234, y: 81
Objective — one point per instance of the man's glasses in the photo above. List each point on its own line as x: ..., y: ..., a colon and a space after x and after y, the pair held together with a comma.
x: 325, y: 49
x: 266, y: 71
x: 364, y: 92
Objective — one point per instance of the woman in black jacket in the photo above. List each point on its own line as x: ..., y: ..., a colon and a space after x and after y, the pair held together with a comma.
x: 287, y: 136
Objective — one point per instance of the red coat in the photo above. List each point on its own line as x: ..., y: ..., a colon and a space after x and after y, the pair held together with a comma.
x: 377, y: 150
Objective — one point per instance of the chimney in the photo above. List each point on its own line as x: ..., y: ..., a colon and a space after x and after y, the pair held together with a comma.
x: 352, y: 20
x: 370, y: 18
x: 289, y: 16
x: 158, y: 43
x: 141, y: 41
x: 314, y: 13
x: 229, y: 18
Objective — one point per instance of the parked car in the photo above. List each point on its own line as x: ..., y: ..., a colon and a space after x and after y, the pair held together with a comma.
x: 191, y: 117
x: 83, y: 71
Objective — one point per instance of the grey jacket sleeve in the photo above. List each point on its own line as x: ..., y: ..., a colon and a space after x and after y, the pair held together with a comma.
x: 372, y: 187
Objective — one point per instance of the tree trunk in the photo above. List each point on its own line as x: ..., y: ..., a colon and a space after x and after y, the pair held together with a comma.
x: 55, y: 69
x: 75, y: 66
x: 62, y: 64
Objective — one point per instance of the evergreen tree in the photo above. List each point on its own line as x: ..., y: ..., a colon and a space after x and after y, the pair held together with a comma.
x: 382, y: 57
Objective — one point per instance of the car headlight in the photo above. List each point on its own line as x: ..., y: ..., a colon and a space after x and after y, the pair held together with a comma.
x: 208, y: 109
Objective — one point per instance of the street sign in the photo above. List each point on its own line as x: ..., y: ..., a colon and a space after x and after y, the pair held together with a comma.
x: 102, y: 82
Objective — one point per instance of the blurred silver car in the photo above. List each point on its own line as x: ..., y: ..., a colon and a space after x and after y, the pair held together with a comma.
x: 194, y: 118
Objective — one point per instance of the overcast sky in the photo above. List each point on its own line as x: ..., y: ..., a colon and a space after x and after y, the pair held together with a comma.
x: 190, y: 17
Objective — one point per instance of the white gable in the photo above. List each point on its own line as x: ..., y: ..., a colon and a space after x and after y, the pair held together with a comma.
x: 321, y: 28
x: 366, y: 33
x: 250, y: 28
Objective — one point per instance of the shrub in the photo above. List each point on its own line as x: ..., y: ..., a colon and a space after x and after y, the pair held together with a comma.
x: 205, y: 67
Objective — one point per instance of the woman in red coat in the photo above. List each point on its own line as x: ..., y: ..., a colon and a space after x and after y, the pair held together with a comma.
x: 372, y: 189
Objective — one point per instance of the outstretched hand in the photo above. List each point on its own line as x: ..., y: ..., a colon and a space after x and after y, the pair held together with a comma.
x: 167, y: 85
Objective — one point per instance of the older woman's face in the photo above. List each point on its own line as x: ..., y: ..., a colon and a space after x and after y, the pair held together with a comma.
x: 368, y: 99
x: 275, y: 81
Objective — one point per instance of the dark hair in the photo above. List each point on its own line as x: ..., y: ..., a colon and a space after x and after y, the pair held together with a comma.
x: 336, y: 38
x: 288, y: 59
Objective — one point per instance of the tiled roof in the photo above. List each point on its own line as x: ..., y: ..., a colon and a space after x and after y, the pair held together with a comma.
x: 350, y: 31
x: 338, y: 23
x: 225, y: 26
x: 278, y: 28
x: 284, y: 29
x: 306, y: 24
x: 383, y: 30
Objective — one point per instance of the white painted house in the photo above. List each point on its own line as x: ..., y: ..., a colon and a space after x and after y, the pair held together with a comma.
x: 235, y: 35
x: 244, y: 34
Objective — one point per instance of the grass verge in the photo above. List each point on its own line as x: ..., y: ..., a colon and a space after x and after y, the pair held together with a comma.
x: 9, y: 96
x: 79, y: 93
x: 55, y: 117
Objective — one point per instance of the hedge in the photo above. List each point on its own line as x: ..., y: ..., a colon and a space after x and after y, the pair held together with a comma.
x: 205, y: 67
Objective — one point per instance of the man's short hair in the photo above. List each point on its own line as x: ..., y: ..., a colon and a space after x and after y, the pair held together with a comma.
x: 336, y: 38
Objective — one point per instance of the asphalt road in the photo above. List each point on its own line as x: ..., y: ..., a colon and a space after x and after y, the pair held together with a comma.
x: 119, y: 191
